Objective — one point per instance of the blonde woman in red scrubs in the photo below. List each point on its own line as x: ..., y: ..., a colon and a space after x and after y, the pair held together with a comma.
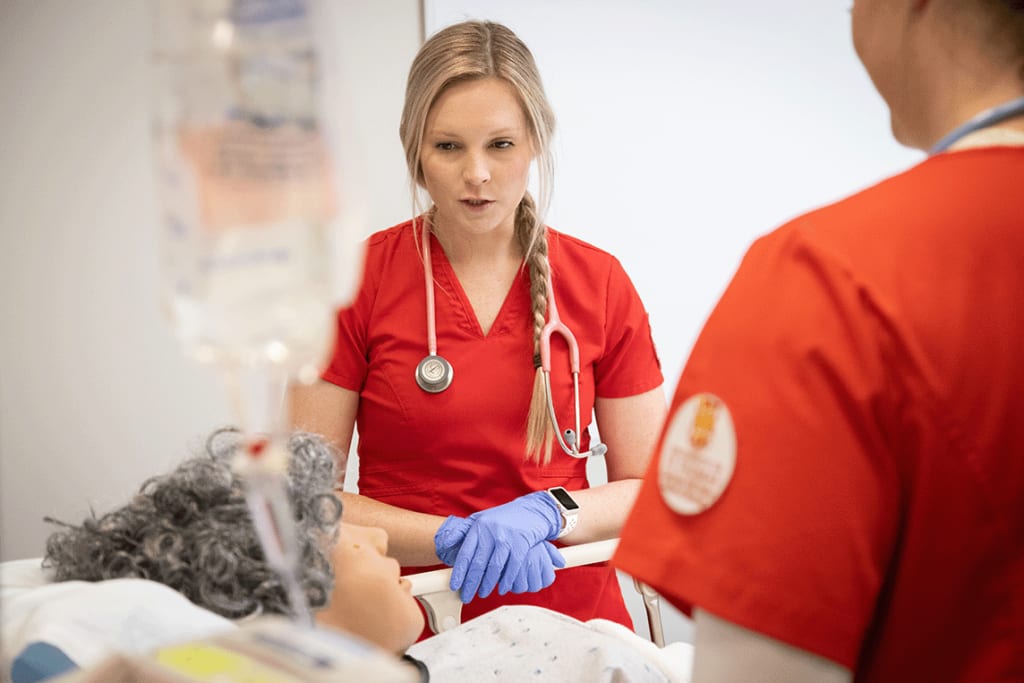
x: 443, y: 360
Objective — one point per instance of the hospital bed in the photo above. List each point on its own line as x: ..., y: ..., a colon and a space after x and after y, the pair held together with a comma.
x: 172, y: 618
x: 444, y: 608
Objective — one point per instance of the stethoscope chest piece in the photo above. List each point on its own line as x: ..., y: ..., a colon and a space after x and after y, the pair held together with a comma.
x: 434, y: 374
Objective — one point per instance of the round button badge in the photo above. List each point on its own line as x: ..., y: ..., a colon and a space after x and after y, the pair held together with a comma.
x: 698, y: 455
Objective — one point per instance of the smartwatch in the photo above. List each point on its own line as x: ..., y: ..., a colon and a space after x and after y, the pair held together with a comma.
x: 569, y: 508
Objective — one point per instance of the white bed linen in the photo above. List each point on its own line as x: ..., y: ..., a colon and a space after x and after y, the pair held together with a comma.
x: 518, y: 643
x: 89, y: 621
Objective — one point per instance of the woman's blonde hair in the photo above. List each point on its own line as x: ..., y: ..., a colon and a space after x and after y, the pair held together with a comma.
x: 475, y: 50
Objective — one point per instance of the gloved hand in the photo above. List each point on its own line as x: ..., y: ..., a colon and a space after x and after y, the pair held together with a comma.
x: 498, y: 541
x: 538, y: 571
x: 448, y: 538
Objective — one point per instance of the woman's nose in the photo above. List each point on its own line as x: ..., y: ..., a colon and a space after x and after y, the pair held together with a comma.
x: 476, y: 171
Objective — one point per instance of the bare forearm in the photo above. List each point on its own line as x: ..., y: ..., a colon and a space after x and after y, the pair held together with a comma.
x: 629, y: 427
x: 410, y: 534
x: 603, y: 510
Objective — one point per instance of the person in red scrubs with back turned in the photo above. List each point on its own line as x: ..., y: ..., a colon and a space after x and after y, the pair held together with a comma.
x: 444, y: 359
x: 839, y: 490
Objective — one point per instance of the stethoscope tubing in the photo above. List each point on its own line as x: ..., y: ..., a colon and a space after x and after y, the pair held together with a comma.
x: 556, y: 326
x: 428, y: 269
x: 434, y: 373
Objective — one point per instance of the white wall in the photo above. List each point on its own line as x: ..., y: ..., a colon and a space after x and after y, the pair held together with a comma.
x: 94, y: 392
x: 686, y: 129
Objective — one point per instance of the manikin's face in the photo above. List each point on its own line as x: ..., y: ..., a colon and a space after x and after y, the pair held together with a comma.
x: 370, y: 599
x: 476, y: 156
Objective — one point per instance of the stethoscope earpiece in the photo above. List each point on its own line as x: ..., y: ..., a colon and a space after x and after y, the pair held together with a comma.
x: 434, y: 374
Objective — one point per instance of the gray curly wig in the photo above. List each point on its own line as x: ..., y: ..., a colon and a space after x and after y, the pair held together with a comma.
x: 190, y: 530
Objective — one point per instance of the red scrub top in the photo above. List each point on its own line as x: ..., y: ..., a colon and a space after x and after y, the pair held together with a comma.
x: 871, y: 355
x: 463, y: 450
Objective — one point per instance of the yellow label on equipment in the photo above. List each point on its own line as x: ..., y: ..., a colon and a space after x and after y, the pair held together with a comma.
x: 213, y: 664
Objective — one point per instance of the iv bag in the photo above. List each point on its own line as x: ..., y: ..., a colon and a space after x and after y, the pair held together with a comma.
x: 248, y: 199
x: 248, y: 193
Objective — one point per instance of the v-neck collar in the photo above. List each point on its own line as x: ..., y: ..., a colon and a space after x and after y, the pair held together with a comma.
x: 448, y: 285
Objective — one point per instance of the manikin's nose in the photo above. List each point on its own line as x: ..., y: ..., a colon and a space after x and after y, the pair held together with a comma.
x: 373, y: 536
x: 379, y: 538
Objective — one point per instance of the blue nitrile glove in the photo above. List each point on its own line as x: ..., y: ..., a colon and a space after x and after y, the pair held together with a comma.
x: 448, y: 538
x: 497, y: 543
x: 538, y: 572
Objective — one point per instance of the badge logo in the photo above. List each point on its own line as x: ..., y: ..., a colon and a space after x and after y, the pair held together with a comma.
x: 698, y: 455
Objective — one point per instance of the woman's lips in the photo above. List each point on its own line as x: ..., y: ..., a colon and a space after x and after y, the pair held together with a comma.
x: 476, y: 203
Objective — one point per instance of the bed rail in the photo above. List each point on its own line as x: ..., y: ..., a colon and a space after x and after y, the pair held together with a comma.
x: 444, y: 608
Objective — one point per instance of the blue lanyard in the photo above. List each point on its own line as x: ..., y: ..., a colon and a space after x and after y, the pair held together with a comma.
x: 985, y: 119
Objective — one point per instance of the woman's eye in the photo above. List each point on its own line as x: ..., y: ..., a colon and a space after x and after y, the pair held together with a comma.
x: 445, y: 146
x: 503, y: 144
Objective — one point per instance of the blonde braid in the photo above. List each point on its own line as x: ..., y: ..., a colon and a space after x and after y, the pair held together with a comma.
x: 532, y: 238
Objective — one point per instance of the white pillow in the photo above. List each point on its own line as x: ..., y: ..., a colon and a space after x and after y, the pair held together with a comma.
x: 89, y: 621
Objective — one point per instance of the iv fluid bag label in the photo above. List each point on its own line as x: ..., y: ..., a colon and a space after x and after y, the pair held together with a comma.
x: 246, y: 175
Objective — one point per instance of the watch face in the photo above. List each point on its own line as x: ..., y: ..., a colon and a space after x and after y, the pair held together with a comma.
x: 563, y: 497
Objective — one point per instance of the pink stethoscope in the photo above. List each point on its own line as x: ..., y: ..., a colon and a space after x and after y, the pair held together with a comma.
x: 434, y: 373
